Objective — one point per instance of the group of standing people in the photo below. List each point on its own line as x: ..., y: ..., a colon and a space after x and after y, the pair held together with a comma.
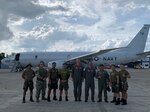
x: 119, y: 84
x: 53, y: 75
x: 117, y: 81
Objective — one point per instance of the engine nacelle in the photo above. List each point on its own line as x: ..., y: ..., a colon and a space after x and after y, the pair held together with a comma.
x: 59, y: 64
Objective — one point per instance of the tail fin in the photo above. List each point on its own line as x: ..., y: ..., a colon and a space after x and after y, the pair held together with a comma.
x: 139, y: 41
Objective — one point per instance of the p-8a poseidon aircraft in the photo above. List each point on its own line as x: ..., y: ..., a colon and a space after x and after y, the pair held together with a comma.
x: 132, y: 52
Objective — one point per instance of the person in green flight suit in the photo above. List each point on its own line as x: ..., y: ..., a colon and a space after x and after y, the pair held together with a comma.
x: 64, y: 75
x: 103, y: 82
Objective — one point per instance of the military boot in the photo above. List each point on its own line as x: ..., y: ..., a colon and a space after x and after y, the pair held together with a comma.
x: 86, y: 99
x: 121, y: 100
x: 114, y: 100
x: 66, y: 98
x: 92, y: 98
x: 106, y: 101
x: 48, y: 99
x: 23, y: 101
x: 37, y: 100
x: 54, y: 97
x: 124, y: 102
x: 31, y: 99
x: 99, y: 100
x: 79, y: 99
x: 43, y: 98
x: 60, y: 98
x: 117, y: 102
x: 76, y: 99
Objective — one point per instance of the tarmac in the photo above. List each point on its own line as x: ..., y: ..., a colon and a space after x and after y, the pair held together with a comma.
x: 11, y: 85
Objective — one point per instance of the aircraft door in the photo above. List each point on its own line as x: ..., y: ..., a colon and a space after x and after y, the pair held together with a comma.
x: 17, y: 57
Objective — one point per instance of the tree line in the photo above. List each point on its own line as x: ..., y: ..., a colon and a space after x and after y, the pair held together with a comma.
x: 2, y: 55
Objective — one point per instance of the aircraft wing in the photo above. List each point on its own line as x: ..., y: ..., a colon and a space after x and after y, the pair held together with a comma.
x: 144, y: 53
x: 89, y: 56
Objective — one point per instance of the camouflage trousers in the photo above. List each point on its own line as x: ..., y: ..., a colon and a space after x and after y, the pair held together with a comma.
x: 124, y: 86
x: 115, y: 88
x: 40, y: 86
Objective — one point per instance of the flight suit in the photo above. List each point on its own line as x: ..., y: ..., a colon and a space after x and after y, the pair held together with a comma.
x: 123, y: 80
x: 40, y: 82
x: 89, y: 82
x: 64, y: 75
x: 77, y: 76
x: 102, y: 84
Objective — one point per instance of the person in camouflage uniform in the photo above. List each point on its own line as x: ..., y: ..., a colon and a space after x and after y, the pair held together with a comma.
x: 124, y: 75
x: 53, y: 81
x: 89, y: 75
x: 77, y: 78
x: 28, y: 76
x: 41, y: 81
x: 103, y: 82
x: 64, y: 75
x: 114, y: 81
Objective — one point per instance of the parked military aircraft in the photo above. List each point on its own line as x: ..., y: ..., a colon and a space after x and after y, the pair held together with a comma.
x: 132, y: 52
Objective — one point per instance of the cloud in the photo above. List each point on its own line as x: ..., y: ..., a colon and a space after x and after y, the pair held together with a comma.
x: 82, y: 25
x: 22, y: 8
x: 46, y: 38
x: 5, y: 32
x: 14, y: 10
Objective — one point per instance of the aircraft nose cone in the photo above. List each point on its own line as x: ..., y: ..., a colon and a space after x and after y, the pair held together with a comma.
x: 3, y: 61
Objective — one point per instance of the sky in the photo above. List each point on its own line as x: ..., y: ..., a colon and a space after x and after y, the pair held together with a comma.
x: 70, y: 25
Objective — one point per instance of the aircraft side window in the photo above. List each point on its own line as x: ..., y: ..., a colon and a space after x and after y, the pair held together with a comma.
x: 36, y: 57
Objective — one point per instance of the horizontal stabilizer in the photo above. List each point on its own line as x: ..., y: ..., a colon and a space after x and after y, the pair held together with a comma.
x: 144, y: 53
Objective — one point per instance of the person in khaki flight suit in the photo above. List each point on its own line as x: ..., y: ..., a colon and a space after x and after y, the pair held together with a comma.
x: 124, y: 75
x: 114, y: 82
x: 64, y: 75
x: 28, y: 76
